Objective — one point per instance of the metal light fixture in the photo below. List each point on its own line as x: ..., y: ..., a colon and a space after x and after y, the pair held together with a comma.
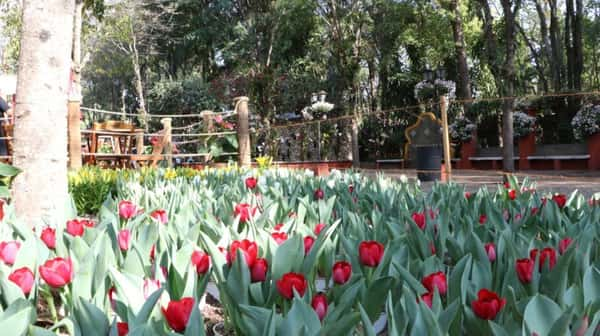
x: 428, y: 74
x: 313, y: 97
x: 322, y: 95
x: 441, y: 73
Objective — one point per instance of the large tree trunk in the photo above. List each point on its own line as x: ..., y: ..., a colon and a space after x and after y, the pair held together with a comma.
x: 40, y: 145
x: 556, y: 65
x: 569, y: 15
x: 463, y: 87
x: 578, y: 45
x: 510, y: 15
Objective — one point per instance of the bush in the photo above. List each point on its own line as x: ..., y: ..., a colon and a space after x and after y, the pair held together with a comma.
x: 89, y: 188
x: 586, y: 122
x: 523, y: 125
x: 462, y: 129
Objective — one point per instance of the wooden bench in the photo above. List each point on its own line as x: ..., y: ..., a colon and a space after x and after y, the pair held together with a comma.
x: 385, y: 161
x: 492, y: 155
x: 572, y: 155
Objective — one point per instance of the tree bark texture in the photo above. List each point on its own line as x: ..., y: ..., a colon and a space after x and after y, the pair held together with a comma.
x: 40, y: 145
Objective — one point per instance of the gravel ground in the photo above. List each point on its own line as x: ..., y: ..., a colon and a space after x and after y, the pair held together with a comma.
x: 586, y: 182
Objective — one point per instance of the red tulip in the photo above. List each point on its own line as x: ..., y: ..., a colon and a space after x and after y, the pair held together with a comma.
x: 547, y: 253
x: 258, y: 272
x: 251, y: 182
x: 350, y: 188
x: 278, y: 227
x: 564, y: 244
x: 48, y: 236
x: 160, y: 216
x: 127, y: 209
x: 319, y: 194
x: 370, y: 253
x: 432, y: 248
x: 419, y: 219
x: 124, y: 239
x: 482, y: 219
x: 319, y: 228
x: 524, y: 268
x: 150, y: 286
x: 342, y: 270
x: 289, y: 282
x: 87, y: 222
x: 308, y: 243
x: 437, y: 279
x: 244, y: 211
x: 57, y: 272
x: 8, y: 251
x: 111, y: 297
x: 560, y: 200
x: 319, y: 304
x: 178, y: 313
x: 202, y: 261
x: 249, y: 250
x: 467, y: 195
x: 534, y: 211
x: 152, y: 252
x: 487, y: 305
x: 122, y: 328
x: 75, y: 228
x: 490, y: 249
x: 279, y: 237
x: 1, y: 210
x: 428, y: 299
x: 512, y: 194
x: 22, y: 277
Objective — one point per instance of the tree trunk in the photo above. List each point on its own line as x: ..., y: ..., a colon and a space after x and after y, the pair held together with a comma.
x: 76, y: 65
x: 510, y: 15
x: 569, y: 15
x: 463, y: 84
x: 40, y: 145
x: 578, y: 45
x: 139, y: 86
x: 556, y: 65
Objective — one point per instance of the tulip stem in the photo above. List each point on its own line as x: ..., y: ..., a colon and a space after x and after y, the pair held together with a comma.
x: 50, y: 301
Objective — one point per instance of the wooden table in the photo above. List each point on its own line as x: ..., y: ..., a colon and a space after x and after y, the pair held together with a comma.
x: 121, y: 144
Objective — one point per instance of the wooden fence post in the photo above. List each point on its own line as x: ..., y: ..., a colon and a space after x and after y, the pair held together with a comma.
x: 243, y: 130
x: 355, y: 153
x: 208, y: 120
x: 447, y: 171
x: 167, y: 141
x: 139, y: 142
x: 74, y: 133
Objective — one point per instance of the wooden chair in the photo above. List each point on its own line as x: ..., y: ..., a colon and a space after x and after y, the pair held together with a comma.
x: 122, y: 135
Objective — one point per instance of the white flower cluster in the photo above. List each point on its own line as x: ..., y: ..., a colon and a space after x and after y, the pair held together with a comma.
x: 422, y: 86
x: 523, y: 124
x: 461, y: 129
x: 448, y: 87
x: 427, y: 90
x: 322, y: 107
x: 586, y: 122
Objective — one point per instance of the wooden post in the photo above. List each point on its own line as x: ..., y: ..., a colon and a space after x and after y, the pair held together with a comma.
x: 209, y: 126
x: 167, y: 138
x: 74, y: 133
x: 355, y: 153
x: 447, y: 171
x: 318, y: 141
x: 241, y: 107
x: 139, y: 142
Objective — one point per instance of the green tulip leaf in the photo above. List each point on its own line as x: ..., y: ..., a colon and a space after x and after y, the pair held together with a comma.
x: 540, y: 314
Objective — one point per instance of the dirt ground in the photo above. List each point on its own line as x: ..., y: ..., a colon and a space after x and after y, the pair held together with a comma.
x: 586, y: 182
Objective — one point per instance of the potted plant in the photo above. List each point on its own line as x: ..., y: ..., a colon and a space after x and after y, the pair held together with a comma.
x: 462, y: 130
x: 586, y: 125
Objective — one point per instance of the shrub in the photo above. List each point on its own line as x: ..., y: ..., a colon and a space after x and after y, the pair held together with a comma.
x: 523, y: 124
x: 586, y: 122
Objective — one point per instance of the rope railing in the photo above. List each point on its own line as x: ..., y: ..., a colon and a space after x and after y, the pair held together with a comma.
x: 224, y: 114
x: 152, y: 155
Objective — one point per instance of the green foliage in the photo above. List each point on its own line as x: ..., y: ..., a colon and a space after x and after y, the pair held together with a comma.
x: 90, y: 186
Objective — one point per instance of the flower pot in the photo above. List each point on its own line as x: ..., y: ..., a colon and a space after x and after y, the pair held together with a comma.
x: 467, y: 149
x: 593, y: 143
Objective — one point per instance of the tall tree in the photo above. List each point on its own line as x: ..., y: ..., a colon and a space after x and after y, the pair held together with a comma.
x: 463, y: 83
x: 41, y: 110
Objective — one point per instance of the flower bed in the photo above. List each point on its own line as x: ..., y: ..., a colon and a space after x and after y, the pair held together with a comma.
x: 290, y: 252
